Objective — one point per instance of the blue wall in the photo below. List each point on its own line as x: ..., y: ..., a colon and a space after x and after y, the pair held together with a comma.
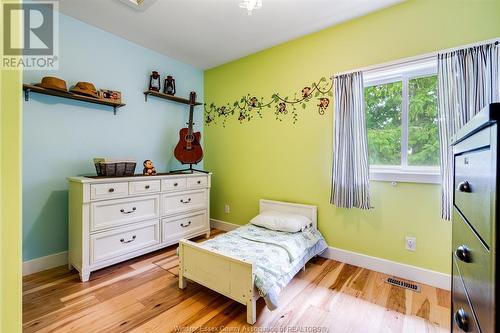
x: 61, y: 137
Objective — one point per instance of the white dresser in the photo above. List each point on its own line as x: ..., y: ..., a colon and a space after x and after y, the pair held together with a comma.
x: 115, y: 219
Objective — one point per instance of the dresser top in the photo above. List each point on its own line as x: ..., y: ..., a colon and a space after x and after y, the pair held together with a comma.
x: 139, y: 177
x: 486, y: 117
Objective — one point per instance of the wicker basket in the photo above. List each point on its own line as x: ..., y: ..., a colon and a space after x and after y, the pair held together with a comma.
x: 119, y: 169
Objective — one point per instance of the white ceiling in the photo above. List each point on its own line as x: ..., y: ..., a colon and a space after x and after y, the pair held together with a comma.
x: 207, y: 33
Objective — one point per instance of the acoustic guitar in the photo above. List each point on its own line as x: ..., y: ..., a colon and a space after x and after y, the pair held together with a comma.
x: 188, y: 149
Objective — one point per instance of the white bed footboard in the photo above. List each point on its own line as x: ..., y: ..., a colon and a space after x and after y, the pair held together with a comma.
x: 228, y: 275
x: 222, y: 273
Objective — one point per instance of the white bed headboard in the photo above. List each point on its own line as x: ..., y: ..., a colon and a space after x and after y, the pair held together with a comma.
x: 292, y: 208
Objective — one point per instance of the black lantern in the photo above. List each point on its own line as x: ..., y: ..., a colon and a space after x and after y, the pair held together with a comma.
x: 169, y: 86
x: 154, y: 81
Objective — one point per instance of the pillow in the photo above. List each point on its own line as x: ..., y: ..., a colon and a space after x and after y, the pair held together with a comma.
x: 279, y: 221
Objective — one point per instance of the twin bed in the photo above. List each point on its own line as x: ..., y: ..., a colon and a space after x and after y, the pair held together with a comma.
x: 252, y: 261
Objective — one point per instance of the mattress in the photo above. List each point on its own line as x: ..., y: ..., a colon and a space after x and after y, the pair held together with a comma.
x: 276, y: 256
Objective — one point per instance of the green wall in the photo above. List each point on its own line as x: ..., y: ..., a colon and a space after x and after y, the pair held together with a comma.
x: 265, y: 158
x: 10, y: 200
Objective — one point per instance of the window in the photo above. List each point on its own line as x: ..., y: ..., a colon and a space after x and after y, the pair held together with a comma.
x: 383, y: 123
x: 423, y: 134
x: 402, y: 123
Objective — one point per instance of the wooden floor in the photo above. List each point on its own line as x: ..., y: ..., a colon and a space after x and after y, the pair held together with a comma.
x: 141, y: 295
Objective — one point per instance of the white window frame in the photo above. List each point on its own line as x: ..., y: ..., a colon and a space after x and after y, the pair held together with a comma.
x: 394, y: 73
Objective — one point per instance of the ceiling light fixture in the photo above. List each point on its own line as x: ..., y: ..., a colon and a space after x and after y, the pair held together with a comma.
x: 250, y: 5
x: 139, y: 5
x: 137, y: 2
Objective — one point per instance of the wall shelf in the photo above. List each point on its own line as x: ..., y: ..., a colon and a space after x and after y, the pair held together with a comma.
x: 68, y: 95
x: 167, y: 97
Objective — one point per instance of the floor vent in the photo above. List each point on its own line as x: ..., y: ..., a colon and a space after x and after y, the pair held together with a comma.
x: 403, y: 284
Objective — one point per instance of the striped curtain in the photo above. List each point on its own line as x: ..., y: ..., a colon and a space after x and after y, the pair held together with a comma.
x: 468, y: 80
x: 350, y: 175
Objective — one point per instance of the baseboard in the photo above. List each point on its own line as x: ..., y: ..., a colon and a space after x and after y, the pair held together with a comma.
x: 409, y: 272
x: 43, y: 263
x: 221, y: 225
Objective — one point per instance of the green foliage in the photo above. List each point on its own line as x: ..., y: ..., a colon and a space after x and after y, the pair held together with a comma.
x: 423, y: 134
x: 384, y: 124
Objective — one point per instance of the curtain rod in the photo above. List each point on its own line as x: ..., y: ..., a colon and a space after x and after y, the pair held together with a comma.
x: 422, y: 57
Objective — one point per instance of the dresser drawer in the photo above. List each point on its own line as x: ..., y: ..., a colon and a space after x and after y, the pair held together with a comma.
x: 173, y: 184
x: 475, y: 265
x: 174, y: 203
x: 463, y: 319
x: 144, y: 187
x: 121, y: 241
x: 107, y: 191
x: 473, y: 190
x: 184, y: 226
x: 117, y: 212
x: 193, y: 182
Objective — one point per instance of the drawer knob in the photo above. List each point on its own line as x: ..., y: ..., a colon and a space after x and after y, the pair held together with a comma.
x: 462, y: 319
x: 123, y: 241
x: 111, y: 190
x: 146, y: 187
x: 175, y: 184
x: 128, y: 211
x: 186, y: 201
x: 186, y: 225
x: 199, y: 181
x: 464, y: 187
x: 463, y: 254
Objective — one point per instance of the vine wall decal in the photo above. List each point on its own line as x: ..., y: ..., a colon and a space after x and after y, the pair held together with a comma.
x: 248, y: 107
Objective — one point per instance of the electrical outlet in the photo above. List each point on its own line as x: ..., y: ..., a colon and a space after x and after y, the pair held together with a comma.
x: 411, y: 243
x: 227, y: 209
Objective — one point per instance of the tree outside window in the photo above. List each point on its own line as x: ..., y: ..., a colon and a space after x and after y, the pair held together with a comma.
x: 401, y: 121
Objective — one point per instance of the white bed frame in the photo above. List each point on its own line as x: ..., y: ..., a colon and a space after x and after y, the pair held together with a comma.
x: 226, y: 274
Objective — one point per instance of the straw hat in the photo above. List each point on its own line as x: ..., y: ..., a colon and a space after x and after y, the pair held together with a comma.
x: 53, y: 83
x: 85, y: 88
